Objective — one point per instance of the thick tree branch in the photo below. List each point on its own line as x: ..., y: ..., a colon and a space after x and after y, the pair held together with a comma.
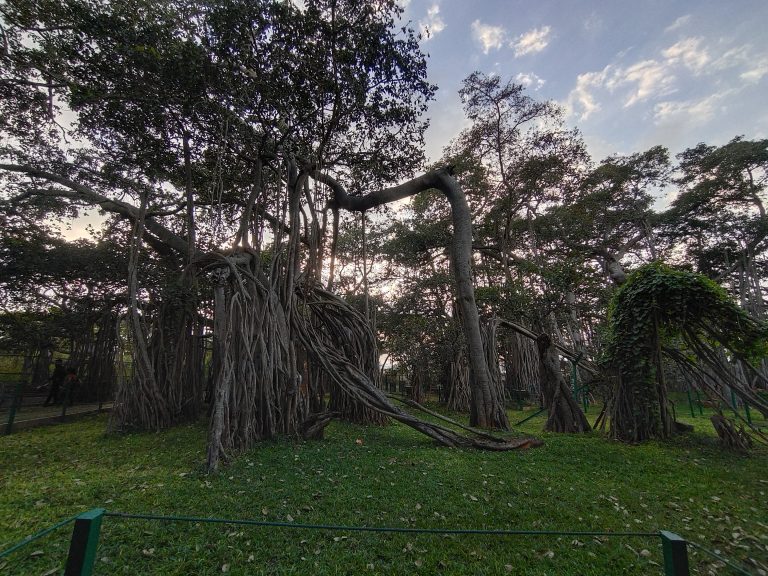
x: 77, y: 191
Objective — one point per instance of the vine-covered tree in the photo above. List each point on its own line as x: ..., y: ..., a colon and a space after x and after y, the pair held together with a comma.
x: 654, y: 306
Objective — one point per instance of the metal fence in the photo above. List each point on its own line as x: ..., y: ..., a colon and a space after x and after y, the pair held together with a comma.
x: 23, y: 405
x: 86, y: 531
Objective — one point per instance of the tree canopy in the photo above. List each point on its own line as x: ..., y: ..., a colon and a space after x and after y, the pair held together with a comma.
x: 269, y: 226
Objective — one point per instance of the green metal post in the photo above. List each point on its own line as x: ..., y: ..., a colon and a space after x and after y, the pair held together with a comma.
x: 698, y: 401
x: 85, y: 540
x: 14, y: 406
x: 690, y: 402
x: 675, y: 550
x: 746, y: 413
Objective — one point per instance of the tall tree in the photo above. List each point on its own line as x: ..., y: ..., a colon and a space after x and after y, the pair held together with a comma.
x: 235, y: 123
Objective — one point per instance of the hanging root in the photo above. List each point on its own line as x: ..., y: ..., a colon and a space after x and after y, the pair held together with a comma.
x: 324, y: 323
x: 458, y: 384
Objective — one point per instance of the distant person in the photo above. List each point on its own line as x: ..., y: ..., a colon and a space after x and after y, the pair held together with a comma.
x: 71, y: 383
x: 57, y: 379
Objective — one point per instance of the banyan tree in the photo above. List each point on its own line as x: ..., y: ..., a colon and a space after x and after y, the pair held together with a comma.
x: 223, y: 143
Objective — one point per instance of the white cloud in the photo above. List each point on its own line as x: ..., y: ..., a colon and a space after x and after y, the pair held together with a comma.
x: 593, y: 24
x: 756, y: 71
x: 689, y: 111
x: 489, y: 36
x: 690, y: 53
x: 645, y: 79
x: 581, y: 100
x: 649, y: 77
x: 679, y: 23
x: 531, y: 42
x: 530, y: 80
x: 433, y: 24
x: 714, y: 64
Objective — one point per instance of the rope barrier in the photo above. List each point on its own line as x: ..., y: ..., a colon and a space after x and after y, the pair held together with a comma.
x: 524, y: 420
x: 342, y: 528
x: 725, y: 561
x: 36, y: 536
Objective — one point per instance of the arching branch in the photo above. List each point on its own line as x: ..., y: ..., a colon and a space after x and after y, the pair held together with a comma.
x: 487, y: 410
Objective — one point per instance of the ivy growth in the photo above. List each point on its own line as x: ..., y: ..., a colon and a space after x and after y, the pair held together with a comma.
x: 655, y: 305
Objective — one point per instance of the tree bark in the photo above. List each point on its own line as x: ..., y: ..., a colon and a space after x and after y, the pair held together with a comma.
x: 565, y: 414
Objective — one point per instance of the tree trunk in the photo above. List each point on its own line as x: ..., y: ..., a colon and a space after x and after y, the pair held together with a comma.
x: 521, y: 364
x: 458, y: 381
x: 565, y: 415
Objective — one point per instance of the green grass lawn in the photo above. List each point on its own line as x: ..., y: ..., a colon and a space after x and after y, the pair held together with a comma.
x: 388, y: 476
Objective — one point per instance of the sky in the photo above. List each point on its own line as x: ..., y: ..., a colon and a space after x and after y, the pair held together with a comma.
x: 630, y: 74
